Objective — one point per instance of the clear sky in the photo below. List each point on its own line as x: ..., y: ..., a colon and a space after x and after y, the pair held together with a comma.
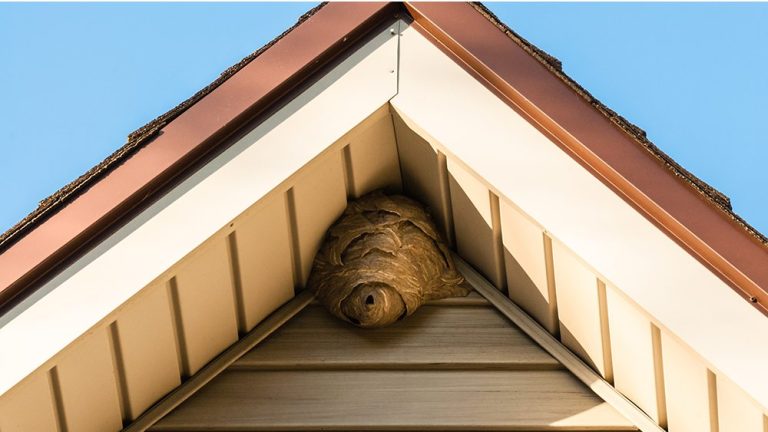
x: 77, y: 78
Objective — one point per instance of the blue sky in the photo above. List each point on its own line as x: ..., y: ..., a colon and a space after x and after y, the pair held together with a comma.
x: 77, y: 78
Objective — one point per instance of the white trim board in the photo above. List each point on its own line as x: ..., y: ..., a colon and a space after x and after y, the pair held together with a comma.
x: 458, y: 115
x: 127, y: 261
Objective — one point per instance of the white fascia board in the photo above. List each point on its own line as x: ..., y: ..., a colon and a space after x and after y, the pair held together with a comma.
x: 458, y: 114
x: 102, y: 280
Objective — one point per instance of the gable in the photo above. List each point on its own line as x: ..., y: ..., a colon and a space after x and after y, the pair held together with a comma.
x: 225, y: 246
x: 175, y: 256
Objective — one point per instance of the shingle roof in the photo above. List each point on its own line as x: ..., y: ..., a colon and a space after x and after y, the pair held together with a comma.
x: 555, y: 66
x: 144, y: 135
x: 136, y: 140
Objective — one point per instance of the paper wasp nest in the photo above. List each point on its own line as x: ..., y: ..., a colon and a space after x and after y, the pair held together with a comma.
x: 381, y: 260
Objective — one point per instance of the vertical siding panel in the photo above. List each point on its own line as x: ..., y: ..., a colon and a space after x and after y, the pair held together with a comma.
x: 88, y: 385
x: 206, y: 304
x: 264, y: 257
x: 687, y: 393
x: 578, y: 307
x: 320, y: 196
x: 473, y: 224
x: 420, y: 173
x: 147, y: 346
x: 373, y: 156
x: 526, y: 266
x: 632, y: 352
x: 737, y: 412
x: 29, y: 406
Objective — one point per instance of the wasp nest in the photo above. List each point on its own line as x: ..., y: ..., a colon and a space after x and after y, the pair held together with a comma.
x: 381, y: 260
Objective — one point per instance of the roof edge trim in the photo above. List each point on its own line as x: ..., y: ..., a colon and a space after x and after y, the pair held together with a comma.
x: 696, y: 220
x: 161, y: 153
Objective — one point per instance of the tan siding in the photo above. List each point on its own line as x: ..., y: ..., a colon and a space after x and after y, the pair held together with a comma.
x: 320, y: 197
x: 29, y: 406
x: 264, y: 260
x: 373, y: 158
x: 578, y: 307
x: 525, y: 264
x: 206, y: 304
x: 401, y: 400
x: 632, y: 346
x: 434, y: 337
x: 148, y: 349
x: 87, y: 381
x: 736, y: 411
x: 449, y: 366
x: 473, y: 224
x: 685, y: 378
x: 421, y: 177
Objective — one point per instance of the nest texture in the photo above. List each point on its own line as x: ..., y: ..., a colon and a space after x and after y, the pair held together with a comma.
x: 381, y: 260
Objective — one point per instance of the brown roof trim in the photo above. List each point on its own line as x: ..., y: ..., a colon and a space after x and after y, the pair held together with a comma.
x: 136, y: 139
x: 555, y: 66
x: 160, y: 151
x: 692, y: 213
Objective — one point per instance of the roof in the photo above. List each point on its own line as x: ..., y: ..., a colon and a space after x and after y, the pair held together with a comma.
x: 135, y: 140
x: 556, y: 67
x: 742, y: 270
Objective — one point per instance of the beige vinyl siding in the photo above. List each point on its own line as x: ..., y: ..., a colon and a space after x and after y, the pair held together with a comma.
x: 87, y: 386
x: 634, y: 362
x: 318, y: 198
x: 372, y: 161
x: 737, y: 412
x: 423, y: 176
x: 437, y: 337
x: 687, y: 389
x: 578, y: 307
x: 261, y: 249
x: 473, y: 223
x: 204, y: 303
x: 148, y: 355
x: 450, y: 365
x: 526, y: 262
x: 29, y: 406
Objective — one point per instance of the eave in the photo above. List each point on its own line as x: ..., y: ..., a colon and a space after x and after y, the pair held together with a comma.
x: 689, y: 211
x: 159, y: 154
